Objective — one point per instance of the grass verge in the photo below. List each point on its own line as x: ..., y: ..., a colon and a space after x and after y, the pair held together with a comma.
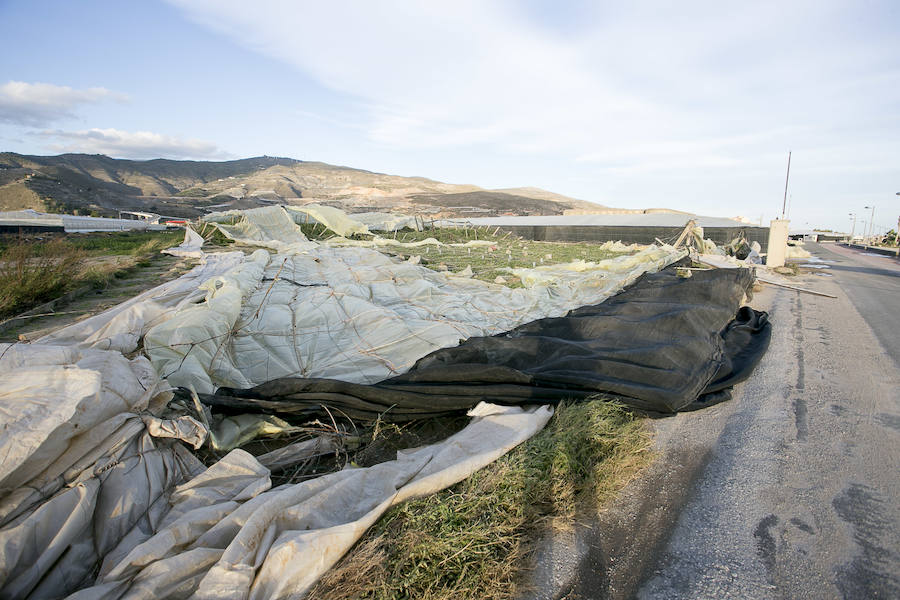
x: 473, y: 539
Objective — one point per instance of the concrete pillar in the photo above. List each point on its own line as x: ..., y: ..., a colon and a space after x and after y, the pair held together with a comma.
x: 778, y: 236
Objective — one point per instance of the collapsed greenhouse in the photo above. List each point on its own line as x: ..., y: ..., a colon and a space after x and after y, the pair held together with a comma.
x: 102, y: 492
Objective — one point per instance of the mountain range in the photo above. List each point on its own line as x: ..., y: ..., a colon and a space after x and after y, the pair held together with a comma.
x: 102, y: 186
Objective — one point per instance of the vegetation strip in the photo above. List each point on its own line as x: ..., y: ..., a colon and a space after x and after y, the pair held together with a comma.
x: 474, y: 539
x: 38, y: 269
x: 498, y: 252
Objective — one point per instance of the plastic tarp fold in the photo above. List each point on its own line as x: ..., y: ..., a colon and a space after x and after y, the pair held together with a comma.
x: 191, y: 247
x: 267, y: 226
x: 659, y: 345
x: 333, y: 218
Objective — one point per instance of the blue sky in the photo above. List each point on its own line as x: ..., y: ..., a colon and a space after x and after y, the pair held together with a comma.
x: 689, y: 105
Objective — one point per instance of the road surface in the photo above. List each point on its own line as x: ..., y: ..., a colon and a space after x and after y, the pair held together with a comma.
x: 791, y: 489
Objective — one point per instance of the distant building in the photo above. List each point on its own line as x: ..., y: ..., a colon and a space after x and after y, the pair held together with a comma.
x: 32, y: 220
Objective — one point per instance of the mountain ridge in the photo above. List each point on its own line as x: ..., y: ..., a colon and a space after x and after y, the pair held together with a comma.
x: 99, y: 184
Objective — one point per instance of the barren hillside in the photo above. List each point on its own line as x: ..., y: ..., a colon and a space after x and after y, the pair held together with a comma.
x: 101, y: 185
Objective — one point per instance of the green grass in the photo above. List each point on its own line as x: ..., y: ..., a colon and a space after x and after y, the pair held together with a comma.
x: 473, y: 540
x: 120, y: 243
x: 125, y: 243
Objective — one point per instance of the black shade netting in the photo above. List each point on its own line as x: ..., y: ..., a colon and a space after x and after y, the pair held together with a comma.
x: 665, y: 344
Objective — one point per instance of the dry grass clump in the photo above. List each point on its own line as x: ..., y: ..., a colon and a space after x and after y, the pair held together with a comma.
x: 29, y: 276
x: 37, y: 270
x: 473, y: 540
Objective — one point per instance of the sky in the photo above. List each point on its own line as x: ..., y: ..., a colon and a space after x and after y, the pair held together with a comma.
x: 685, y: 105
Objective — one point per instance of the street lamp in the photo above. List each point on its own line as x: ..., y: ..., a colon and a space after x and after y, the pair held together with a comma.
x: 853, y: 229
x: 871, y: 220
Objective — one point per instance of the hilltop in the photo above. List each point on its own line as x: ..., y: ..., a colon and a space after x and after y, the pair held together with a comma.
x: 100, y: 185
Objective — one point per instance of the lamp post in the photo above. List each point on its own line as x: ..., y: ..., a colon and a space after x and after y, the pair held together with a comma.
x: 871, y: 220
x: 853, y: 229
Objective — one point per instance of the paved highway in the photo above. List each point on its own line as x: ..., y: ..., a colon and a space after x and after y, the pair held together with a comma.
x: 791, y: 489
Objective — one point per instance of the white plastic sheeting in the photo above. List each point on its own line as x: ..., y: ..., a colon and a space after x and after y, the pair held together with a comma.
x: 352, y: 313
x: 81, y: 473
x: 379, y: 221
x: 333, y: 218
x: 86, y: 487
x: 91, y: 496
x: 191, y: 247
x: 123, y: 326
x: 796, y: 250
x: 268, y: 226
x: 341, y: 223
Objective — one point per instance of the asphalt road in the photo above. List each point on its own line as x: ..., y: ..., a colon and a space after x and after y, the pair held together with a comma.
x: 872, y: 283
x: 789, y: 490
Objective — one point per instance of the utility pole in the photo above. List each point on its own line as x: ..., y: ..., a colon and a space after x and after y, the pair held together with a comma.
x: 786, y: 178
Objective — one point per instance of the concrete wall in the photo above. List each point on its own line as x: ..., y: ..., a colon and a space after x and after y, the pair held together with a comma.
x: 632, y: 235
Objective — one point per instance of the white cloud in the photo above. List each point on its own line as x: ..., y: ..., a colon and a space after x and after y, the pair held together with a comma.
x: 38, y: 104
x: 135, y: 145
x: 473, y: 73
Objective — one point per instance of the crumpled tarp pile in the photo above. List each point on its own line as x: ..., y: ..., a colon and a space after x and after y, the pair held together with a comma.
x: 355, y: 314
x: 229, y: 534
x: 96, y: 492
x: 99, y: 491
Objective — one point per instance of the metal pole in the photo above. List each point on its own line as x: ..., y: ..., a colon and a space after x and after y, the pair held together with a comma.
x: 871, y: 229
x: 853, y: 230
x: 872, y: 233
x: 786, y: 178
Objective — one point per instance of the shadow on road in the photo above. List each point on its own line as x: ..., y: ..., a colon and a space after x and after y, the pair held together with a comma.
x: 866, y: 270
